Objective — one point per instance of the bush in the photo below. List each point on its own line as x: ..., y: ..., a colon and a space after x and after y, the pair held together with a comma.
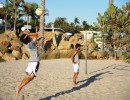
x: 126, y: 56
x: 56, y: 54
x: 2, y: 60
x: 1, y: 31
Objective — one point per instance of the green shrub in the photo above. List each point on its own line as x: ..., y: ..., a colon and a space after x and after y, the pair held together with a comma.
x: 1, y: 31
x: 1, y: 60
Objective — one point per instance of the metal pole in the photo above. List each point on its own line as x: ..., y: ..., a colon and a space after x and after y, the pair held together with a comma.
x: 14, y: 19
x: 27, y: 21
x: 103, y: 40
x: 85, y: 41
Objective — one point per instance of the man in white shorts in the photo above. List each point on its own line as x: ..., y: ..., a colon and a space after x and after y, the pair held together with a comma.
x: 34, y: 60
x: 76, y: 62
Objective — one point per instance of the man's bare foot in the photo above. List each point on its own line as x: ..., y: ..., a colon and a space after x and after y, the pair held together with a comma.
x: 75, y: 84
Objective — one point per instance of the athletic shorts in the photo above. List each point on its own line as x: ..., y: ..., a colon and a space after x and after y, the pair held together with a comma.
x: 32, y: 68
x: 76, y: 67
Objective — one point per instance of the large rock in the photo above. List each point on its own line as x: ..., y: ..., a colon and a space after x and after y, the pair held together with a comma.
x: 15, y: 48
x: 1, y: 54
x: 8, y: 56
x: 4, y: 46
x: 4, y: 37
x: 17, y: 54
x: 16, y: 42
x: 52, y: 47
x: 101, y: 55
x: 11, y: 35
x: 24, y: 51
x: 73, y: 39
x: 64, y: 45
x: 48, y: 35
x: 95, y: 53
x: 25, y: 57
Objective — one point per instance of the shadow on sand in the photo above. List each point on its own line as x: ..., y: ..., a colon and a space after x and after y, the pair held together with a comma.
x: 87, y: 82
x: 90, y: 80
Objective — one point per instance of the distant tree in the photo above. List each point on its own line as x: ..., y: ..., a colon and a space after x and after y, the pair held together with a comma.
x: 49, y: 24
x: 72, y: 24
x: 28, y: 11
x: 62, y: 23
x: 127, y: 8
x: 85, y: 25
x: 76, y: 21
x: 114, y: 20
x: 17, y: 4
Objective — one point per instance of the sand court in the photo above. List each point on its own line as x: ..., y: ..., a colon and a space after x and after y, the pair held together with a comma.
x: 106, y: 80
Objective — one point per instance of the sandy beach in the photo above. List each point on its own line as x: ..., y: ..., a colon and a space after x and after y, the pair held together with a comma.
x: 106, y: 80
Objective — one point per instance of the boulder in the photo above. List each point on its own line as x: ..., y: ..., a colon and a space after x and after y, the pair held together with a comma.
x: 17, y: 54
x: 11, y: 35
x: 25, y: 56
x: 16, y: 42
x: 23, y: 49
x: 1, y: 54
x: 4, y: 37
x: 101, y: 55
x: 8, y: 56
x: 72, y: 39
x: 64, y: 45
x: 17, y: 48
x: 4, y: 46
x: 95, y: 53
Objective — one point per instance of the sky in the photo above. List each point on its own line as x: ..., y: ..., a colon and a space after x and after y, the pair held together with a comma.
x: 84, y: 10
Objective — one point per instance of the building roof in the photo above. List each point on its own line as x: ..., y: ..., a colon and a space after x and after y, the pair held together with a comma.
x: 54, y: 29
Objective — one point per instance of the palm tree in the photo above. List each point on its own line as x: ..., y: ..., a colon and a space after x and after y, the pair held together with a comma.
x: 59, y: 22
x: 6, y: 10
x: 111, y: 2
x: 16, y: 4
x: 29, y: 11
x: 127, y: 8
x: 42, y: 18
x: 85, y: 25
x: 76, y: 21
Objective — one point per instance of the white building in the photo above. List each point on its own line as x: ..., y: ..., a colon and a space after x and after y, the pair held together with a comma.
x: 96, y: 36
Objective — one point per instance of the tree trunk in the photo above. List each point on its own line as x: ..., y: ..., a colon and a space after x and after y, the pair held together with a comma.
x: 6, y: 10
x: 42, y: 20
x: 110, y: 2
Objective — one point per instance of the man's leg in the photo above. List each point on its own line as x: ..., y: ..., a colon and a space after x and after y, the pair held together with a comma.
x: 25, y: 81
x: 75, y: 77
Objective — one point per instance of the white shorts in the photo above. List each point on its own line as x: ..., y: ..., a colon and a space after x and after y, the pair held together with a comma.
x: 76, y: 67
x: 32, y: 68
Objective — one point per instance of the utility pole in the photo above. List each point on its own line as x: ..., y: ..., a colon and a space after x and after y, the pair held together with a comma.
x: 86, y: 51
